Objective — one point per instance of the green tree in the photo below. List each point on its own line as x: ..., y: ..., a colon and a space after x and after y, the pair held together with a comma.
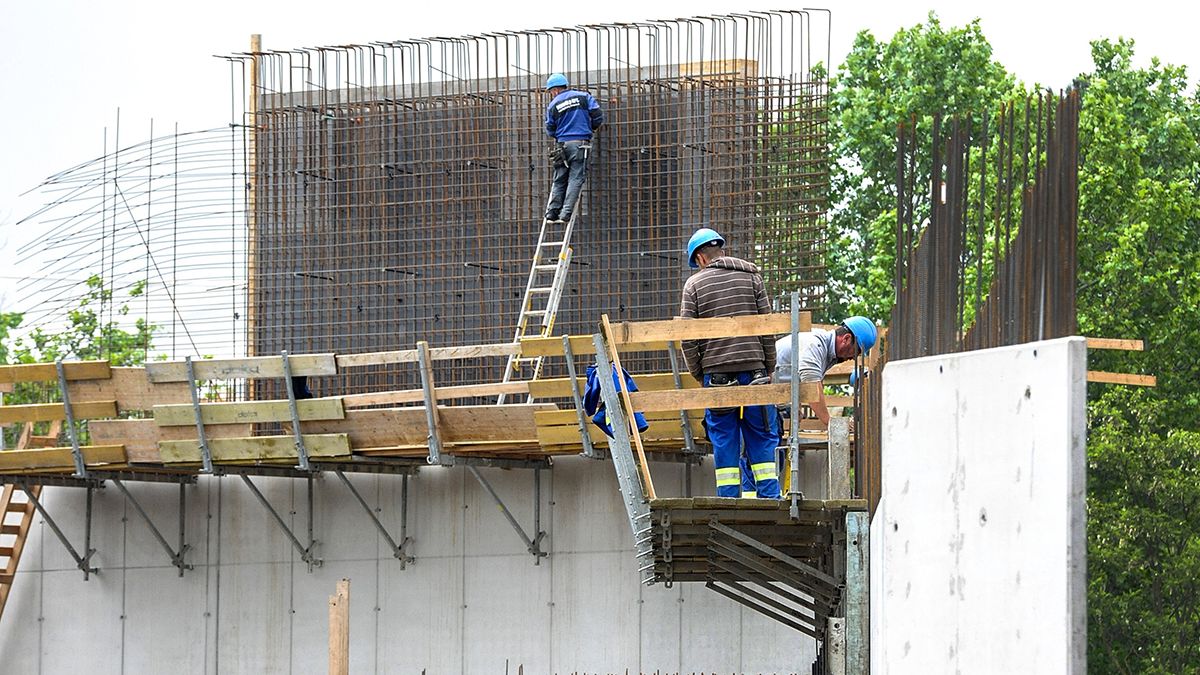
x: 1139, y: 276
x: 921, y: 72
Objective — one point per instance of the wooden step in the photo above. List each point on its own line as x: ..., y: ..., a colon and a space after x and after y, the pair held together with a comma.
x: 43, y: 441
x: 10, y: 529
x: 6, y: 551
x: 18, y: 507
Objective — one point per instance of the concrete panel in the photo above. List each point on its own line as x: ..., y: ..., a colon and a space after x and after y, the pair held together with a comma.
x: 160, y: 501
x: 661, y: 620
x: 983, y: 552
x: 487, y: 531
x: 254, y: 626
x: 248, y: 532
x: 711, y: 632
x: 595, y: 594
x: 342, y: 527
x: 165, y: 622
x: 82, y: 623
x: 21, y: 627
x: 310, y: 600
x: 421, y: 617
x: 507, y: 614
x: 586, y: 492
x: 435, y: 510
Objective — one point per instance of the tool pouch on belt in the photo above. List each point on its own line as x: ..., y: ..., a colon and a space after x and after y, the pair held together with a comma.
x: 722, y: 380
x: 556, y: 155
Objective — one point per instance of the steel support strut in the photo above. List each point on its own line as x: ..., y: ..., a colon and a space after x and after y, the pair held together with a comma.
x: 398, y: 552
x: 76, y: 453
x: 534, y: 545
x: 306, y: 554
x: 585, y: 435
x: 81, y: 561
x: 175, y: 556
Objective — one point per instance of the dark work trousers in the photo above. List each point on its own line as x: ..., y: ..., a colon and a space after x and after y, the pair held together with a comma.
x: 569, y: 174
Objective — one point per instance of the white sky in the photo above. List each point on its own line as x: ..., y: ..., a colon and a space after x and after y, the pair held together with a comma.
x: 68, y: 65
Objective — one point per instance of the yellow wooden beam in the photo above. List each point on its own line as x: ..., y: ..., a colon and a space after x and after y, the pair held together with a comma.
x: 249, y: 411
x: 441, y: 394
x: 256, y: 448
x: 721, y: 397
x: 48, y: 412
x: 48, y: 372
x: 435, y: 354
x: 252, y: 367
x: 638, y: 332
x: 1122, y: 378
x: 1114, y: 343
x: 93, y: 455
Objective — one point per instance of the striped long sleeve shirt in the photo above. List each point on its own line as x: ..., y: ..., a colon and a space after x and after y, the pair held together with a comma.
x: 726, y: 287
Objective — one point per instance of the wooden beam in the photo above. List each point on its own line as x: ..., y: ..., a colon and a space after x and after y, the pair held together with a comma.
x: 131, y: 389
x: 47, y: 412
x: 48, y: 372
x: 722, y: 397
x: 581, y: 345
x: 1113, y: 343
x: 442, y: 394
x: 560, y: 387
x: 256, y: 448
x: 249, y: 411
x: 141, y: 437
x: 435, y: 354
x: 637, y: 332
x: 1122, y: 378
x: 407, y: 427
x: 339, y: 629
x: 251, y: 367
x: 93, y: 455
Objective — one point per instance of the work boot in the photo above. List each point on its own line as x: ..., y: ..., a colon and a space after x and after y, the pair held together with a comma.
x: 300, y: 388
x: 552, y: 217
x: 564, y: 218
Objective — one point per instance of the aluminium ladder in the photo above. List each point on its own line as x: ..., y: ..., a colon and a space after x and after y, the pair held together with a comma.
x: 543, y: 291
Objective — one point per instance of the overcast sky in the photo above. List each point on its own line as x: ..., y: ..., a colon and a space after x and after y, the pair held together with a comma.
x: 69, y: 65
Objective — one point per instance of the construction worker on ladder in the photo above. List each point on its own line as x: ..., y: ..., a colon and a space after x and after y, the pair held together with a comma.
x: 729, y: 286
x: 571, y: 118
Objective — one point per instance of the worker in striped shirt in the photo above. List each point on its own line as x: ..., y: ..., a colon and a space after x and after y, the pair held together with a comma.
x: 729, y: 286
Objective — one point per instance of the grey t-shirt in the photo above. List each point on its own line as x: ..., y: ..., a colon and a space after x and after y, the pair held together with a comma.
x: 816, y: 356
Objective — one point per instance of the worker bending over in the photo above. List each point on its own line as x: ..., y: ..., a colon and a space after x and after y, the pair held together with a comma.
x: 819, y: 351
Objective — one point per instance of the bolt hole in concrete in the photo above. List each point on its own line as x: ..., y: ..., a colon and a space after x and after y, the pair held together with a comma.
x: 1028, y: 392
x: 940, y: 369
x: 895, y: 527
x: 982, y: 517
x: 893, y: 411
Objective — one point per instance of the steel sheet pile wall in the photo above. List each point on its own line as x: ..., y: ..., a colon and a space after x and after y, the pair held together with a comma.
x: 399, y: 186
x: 986, y: 241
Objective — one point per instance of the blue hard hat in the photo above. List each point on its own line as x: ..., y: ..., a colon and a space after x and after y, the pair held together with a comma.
x: 703, y: 237
x: 556, y: 80
x: 864, y: 332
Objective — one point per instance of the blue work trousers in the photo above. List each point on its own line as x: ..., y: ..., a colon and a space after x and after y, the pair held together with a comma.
x: 569, y: 174
x: 751, y: 432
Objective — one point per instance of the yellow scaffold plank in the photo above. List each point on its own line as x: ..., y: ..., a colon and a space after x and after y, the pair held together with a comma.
x: 48, y: 412
x: 1122, y: 378
x: 638, y: 332
x: 48, y: 372
x: 141, y: 437
x: 1115, y: 343
x: 256, y: 448
x: 253, y: 367
x: 249, y: 411
x: 49, y: 458
x: 723, y: 397
x: 130, y: 388
x: 435, y: 354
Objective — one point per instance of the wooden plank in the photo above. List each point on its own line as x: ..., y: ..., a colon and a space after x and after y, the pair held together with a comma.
x: 339, y: 629
x: 1113, y: 343
x: 581, y: 345
x: 551, y: 418
x: 406, y: 427
x: 47, y: 412
x: 441, y: 393
x: 435, y: 354
x: 249, y: 411
x: 560, y: 387
x: 93, y: 455
x: 722, y: 397
x: 48, y: 372
x: 256, y: 448
x: 627, y: 405
x: 637, y: 332
x: 252, y: 367
x: 141, y: 437
x: 131, y: 389
x: 1122, y: 378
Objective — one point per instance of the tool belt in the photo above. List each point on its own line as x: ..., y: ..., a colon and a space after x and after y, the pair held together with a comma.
x: 730, y: 380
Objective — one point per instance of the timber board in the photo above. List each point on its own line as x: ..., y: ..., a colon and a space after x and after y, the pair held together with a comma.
x: 48, y: 412
x: 45, y: 458
x: 249, y: 412
x: 256, y: 448
x: 678, y: 329
x: 48, y: 372
x: 251, y: 367
x: 141, y: 437
x: 723, y: 397
x: 130, y: 388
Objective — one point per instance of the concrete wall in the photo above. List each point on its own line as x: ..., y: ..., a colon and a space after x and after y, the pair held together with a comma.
x: 473, y: 602
x: 978, y: 555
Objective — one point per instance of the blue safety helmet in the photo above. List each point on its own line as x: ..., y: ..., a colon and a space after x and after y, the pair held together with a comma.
x: 556, y: 80
x: 703, y: 237
x: 863, y: 330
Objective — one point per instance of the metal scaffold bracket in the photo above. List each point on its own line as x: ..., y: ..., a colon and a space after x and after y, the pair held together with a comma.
x: 72, y: 432
x: 399, y: 552
x: 532, y: 545
x: 301, y: 450
x: 306, y: 552
x: 176, y: 556
x: 205, y: 453
x: 83, y: 562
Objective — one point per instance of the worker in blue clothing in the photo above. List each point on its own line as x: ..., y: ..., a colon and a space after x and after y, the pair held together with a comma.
x: 571, y: 118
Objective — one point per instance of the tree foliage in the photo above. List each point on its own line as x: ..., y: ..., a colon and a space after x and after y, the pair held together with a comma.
x: 1139, y: 276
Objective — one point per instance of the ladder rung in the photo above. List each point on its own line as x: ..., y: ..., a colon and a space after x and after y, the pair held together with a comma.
x: 545, y: 268
x: 6, y: 551
x: 10, y: 529
x: 6, y: 578
x: 18, y: 507
x: 544, y: 289
x: 552, y: 243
